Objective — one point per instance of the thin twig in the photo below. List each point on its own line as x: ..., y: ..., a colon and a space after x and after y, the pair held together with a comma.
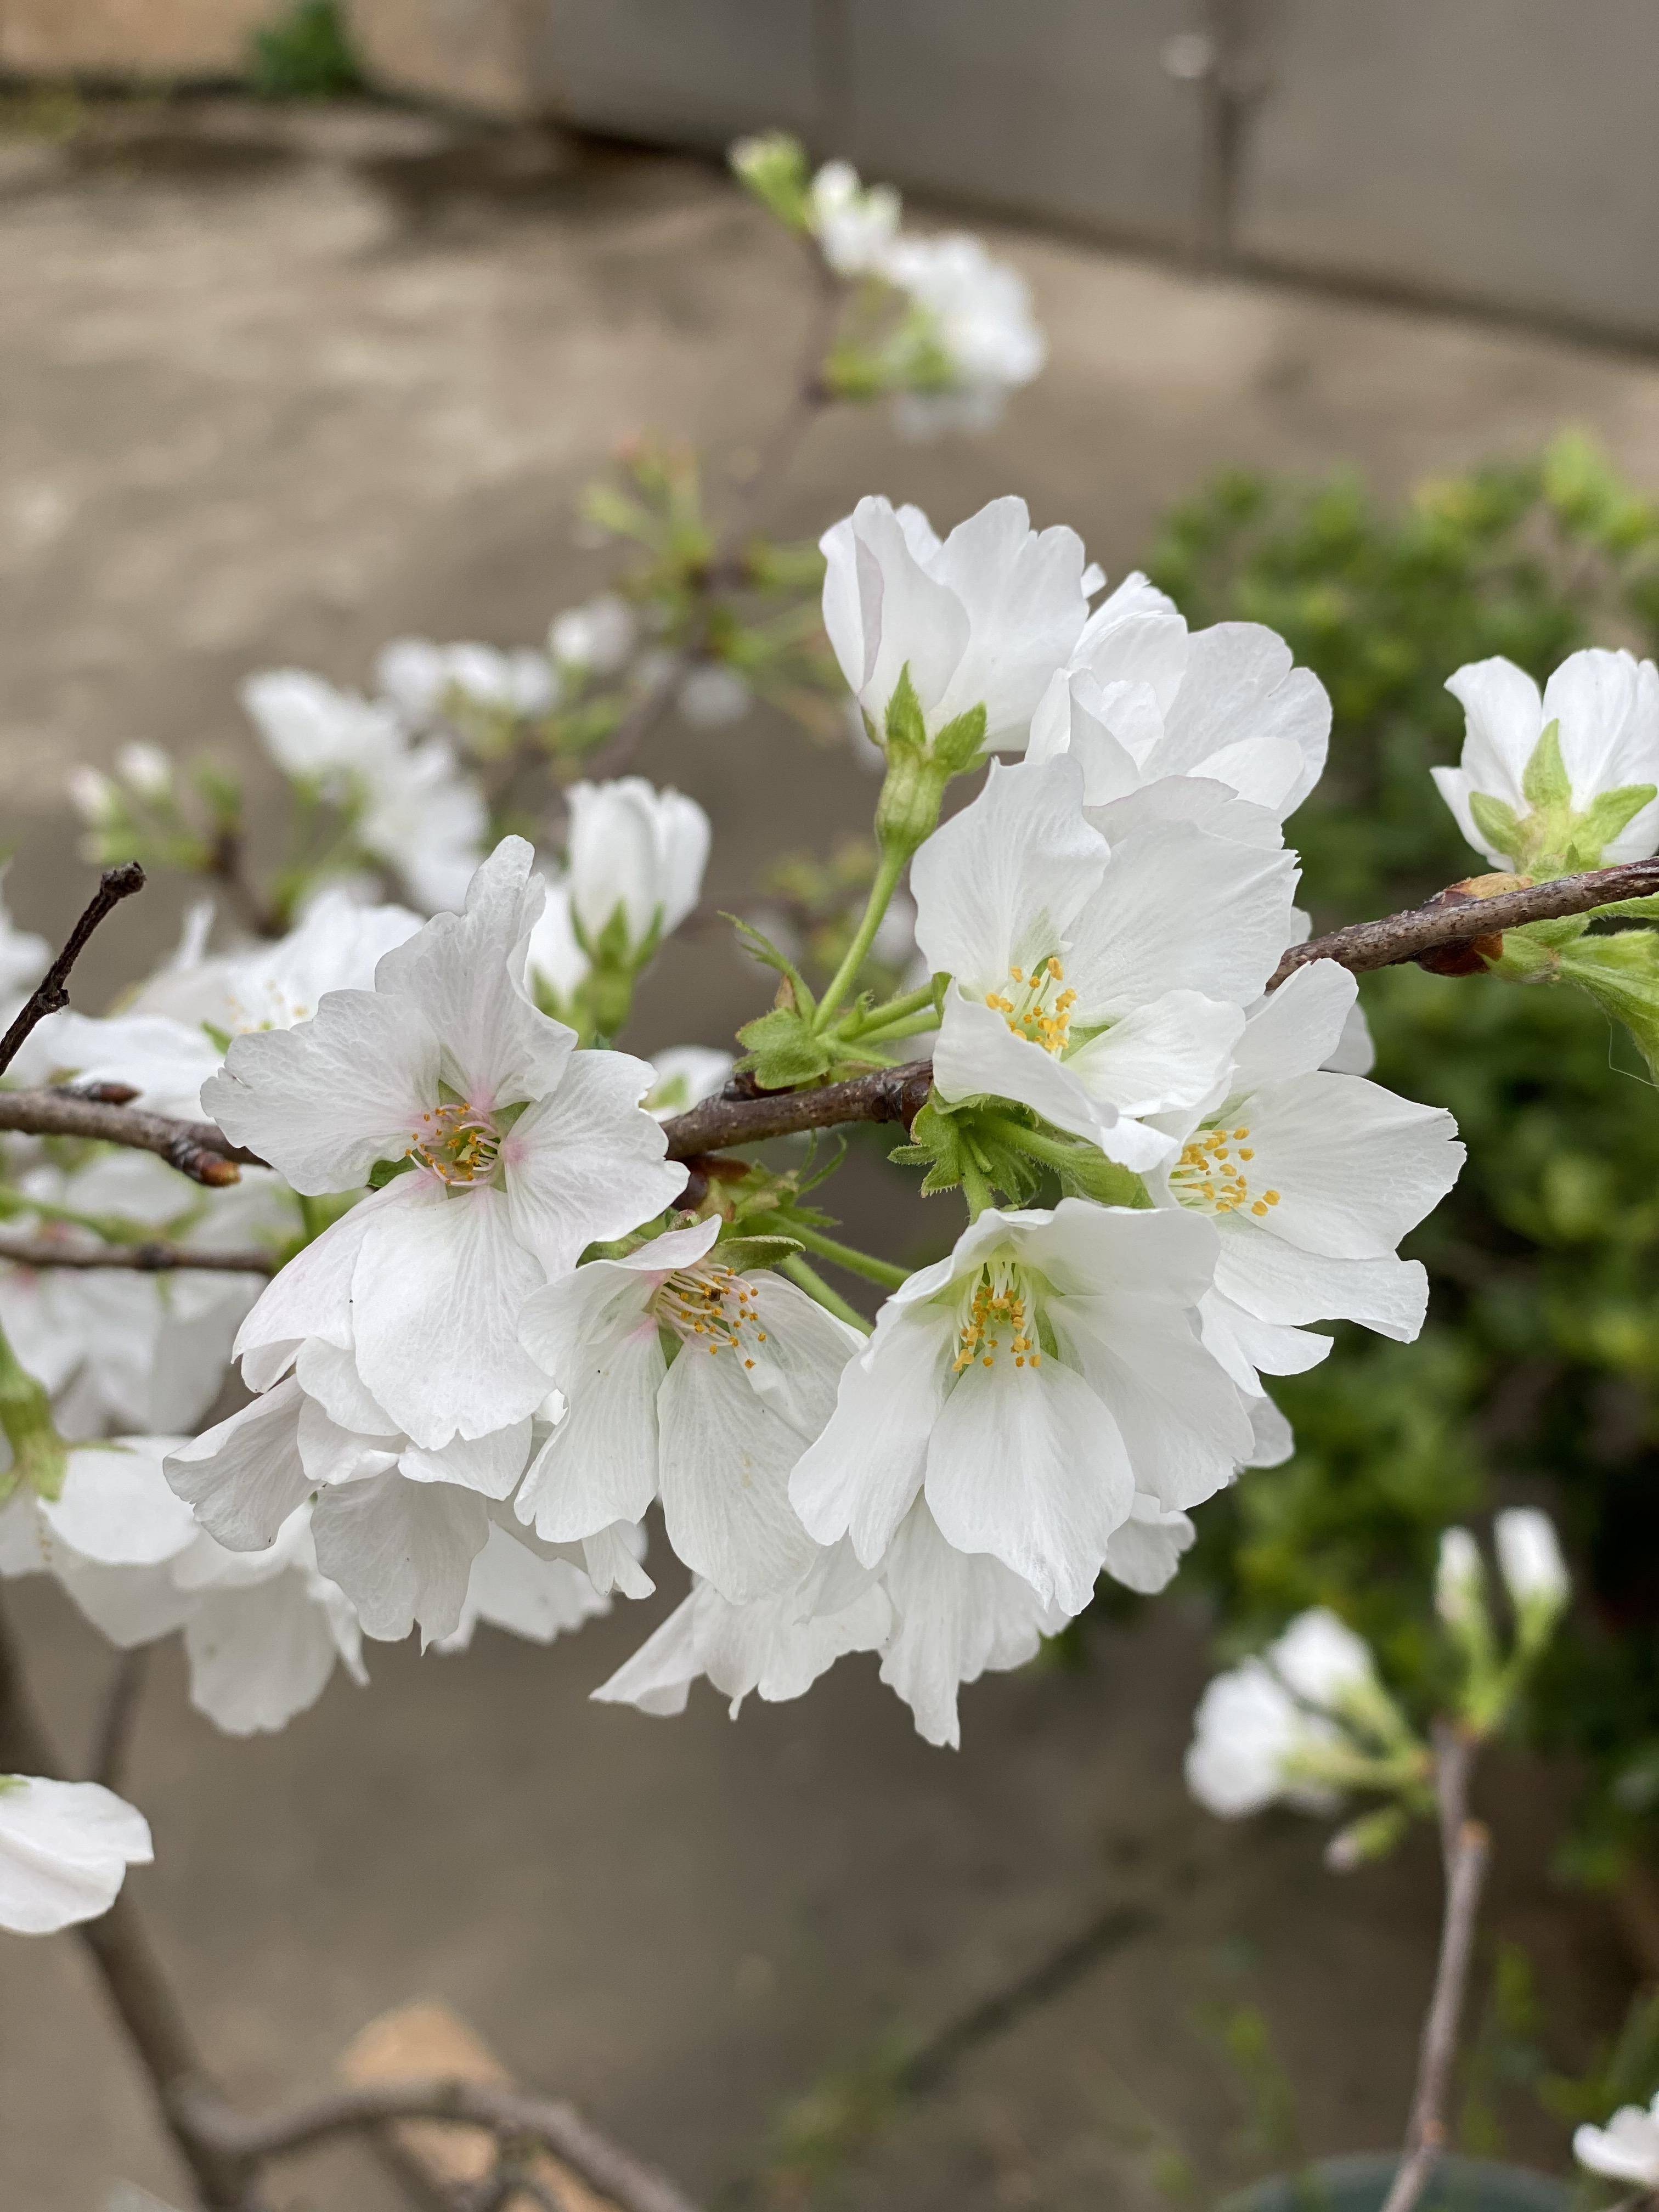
x: 889, y: 1094
x: 50, y: 993
x: 506, y: 2112
x: 115, y: 1719
x: 1466, y: 1847
x: 154, y: 1257
x: 197, y: 1149
x: 1455, y: 917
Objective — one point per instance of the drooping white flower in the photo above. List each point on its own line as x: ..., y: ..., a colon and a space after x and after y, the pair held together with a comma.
x: 1030, y: 1385
x: 524, y: 1151
x: 686, y: 1075
x: 1098, y: 980
x: 597, y: 637
x: 1529, y: 1560
x: 64, y: 1850
x: 1312, y: 1178
x: 1601, y: 791
x: 636, y: 853
x: 1141, y: 697
x: 854, y: 224
x: 983, y: 618
x: 777, y: 1646
x: 715, y: 1434
x: 1271, y: 1729
x: 975, y: 338
x: 1626, y: 2149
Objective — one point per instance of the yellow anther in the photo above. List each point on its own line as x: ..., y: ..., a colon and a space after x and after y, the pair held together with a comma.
x: 1271, y: 1197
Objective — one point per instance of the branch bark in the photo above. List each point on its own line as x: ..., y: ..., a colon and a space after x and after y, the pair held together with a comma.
x: 1453, y: 917
x: 152, y: 1258
x: 510, y: 2114
x: 739, y: 1116
x: 197, y: 1149
x: 50, y: 993
x: 1465, y: 1850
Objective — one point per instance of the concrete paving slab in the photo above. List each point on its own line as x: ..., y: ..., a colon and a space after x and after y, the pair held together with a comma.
x: 277, y: 414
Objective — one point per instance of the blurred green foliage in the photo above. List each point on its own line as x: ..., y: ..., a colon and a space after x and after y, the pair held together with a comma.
x: 305, y: 53
x: 1540, y: 1365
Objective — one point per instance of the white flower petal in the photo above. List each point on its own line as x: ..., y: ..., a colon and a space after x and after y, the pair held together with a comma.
x: 244, y: 1477
x: 588, y: 1163
x: 64, y: 1850
x: 402, y: 1552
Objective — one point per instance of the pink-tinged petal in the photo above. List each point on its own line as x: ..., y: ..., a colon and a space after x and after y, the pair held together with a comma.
x: 587, y: 1164
x: 322, y: 1103
x: 437, y: 1295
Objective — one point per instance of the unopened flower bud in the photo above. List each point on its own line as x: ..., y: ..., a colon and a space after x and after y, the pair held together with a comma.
x: 1535, y: 1573
x: 1459, y: 1582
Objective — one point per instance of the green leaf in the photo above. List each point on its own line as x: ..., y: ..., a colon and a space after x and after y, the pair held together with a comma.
x: 1545, y: 781
x: 1621, y: 973
x: 782, y: 1050
x: 1497, y: 823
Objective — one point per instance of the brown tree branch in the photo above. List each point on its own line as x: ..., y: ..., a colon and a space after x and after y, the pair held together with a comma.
x: 154, y: 1257
x: 738, y: 1116
x: 50, y: 993
x: 197, y: 1149
x: 509, y: 2113
x: 117, y: 1715
x: 1466, y: 1847
x: 1455, y: 917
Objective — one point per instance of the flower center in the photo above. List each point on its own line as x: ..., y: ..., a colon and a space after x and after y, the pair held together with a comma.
x: 995, y: 1315
x: 710, y: 1306
x: 1212, y: 1175
x: 458, y: 1144
x: 1035, y: 1006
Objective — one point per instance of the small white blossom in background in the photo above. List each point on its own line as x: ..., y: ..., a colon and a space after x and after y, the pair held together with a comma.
x: 713, y: 696
x: 1459, y: 1582
x: 973, y: 338
x: 422, y: 681
x: 1626, y: 2149
x: 1271, y: 1729
x: 1567, y: 780
x: 64, y: 1850
x: 1535, y: 1573
x: 636, y: 860
x: 686, y: 1075
x: 597, y: 638
x: 854, y: 224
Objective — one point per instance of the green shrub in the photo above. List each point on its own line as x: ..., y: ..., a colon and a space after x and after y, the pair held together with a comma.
x: 1540, y: 1362
x: 305, y: 53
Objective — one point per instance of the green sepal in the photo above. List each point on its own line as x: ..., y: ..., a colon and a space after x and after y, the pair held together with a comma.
x: 1498, y: 824
x: 959, y: 745
x: 905, y: 726
x: 1089, y: 1174
x: 1371, y: 1837
x: 745, y: 1254
x: 1605, y: 818
x: 1648, y: 906
x: 1544, y: 781
x: 945, y: 1139
x: 782, y: 1050
x: 39, y: 1457
x: 774, y: 167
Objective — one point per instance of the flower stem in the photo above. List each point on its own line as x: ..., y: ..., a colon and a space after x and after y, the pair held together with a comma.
x: 814, y: 1288
x: 880, y: 1019
x: 849, y: 1256
x: 975, y: 1188
x: 881, y: 895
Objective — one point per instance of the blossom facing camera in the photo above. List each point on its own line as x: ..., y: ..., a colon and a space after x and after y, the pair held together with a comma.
x: 972, y: 339
x: 1564, y: 781
x: 521, y: 1150
x: 1030, y: 1385
x: 1535, y: 1573
x: 64, y: 1850
x: 1626, y: 2149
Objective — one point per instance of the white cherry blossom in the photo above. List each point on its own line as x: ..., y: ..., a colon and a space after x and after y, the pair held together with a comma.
x: 1031, y: 1384
x: 976, y: 339
x: 421, y: 679
x: 854, y: 224
x: 1142, y: 697
x: 64, y: 1850
x: 1626, y: 2149
x: 1097, y: 979
x: 715, y: 1434
x: 983, y: 618
x: 1311, y: 1178
x: 597, y: 637
x: 636, y: 853
x: 317, y: 733
x: 1604, y: 709
x: 1272, y: 1729
x: 524, y: 1151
